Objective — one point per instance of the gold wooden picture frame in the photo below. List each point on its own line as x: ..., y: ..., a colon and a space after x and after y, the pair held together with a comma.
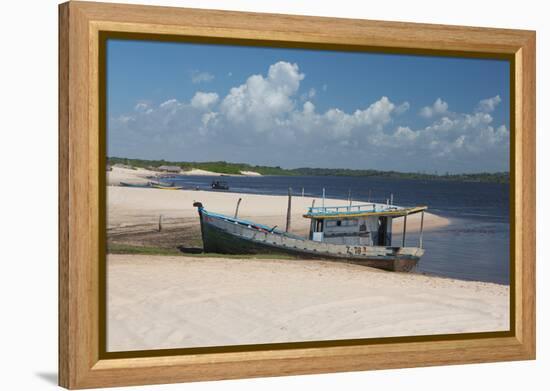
x: 84, y: 28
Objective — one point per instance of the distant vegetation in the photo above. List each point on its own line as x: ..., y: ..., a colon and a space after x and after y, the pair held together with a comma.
x: 223, y: 167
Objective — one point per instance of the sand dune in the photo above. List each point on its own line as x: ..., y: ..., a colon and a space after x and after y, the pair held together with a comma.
x: 250, y: 173
x: 157, y: 302
x: 196, y: 171
x: 119, y: 174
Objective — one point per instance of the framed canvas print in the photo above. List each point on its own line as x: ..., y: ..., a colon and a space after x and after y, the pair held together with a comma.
x: 251, y: 195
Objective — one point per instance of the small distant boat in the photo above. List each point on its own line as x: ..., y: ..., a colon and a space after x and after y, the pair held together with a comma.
x: 219, y: 185
x: 160, y: 183
x: 359, y: 234
x: 150, y: 184
x: 141, y: 185
x: 166, y: 187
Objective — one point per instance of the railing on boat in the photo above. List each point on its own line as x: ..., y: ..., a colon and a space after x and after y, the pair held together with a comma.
x: 371, y: 207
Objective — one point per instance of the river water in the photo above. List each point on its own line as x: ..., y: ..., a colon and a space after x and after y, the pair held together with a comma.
x: 475, y: 246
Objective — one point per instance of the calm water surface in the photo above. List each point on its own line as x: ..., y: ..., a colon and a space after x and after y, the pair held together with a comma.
x: 475, y: 246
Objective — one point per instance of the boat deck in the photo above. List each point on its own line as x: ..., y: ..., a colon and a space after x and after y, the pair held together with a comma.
x: 363, y: 210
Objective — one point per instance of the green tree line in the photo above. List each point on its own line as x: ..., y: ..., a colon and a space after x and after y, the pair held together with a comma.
x: 224, y: 167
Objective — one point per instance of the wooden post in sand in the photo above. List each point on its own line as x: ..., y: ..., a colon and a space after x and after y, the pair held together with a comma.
x: 160, y: 223
x: 404, y: 230
x: 288, y: 209
x: 421, y: 229
x: 237, y: 208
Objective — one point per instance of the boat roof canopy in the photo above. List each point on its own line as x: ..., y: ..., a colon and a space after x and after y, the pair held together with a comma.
x: 364, y: 210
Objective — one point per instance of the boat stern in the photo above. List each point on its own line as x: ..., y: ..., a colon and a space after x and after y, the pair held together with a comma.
x: 407, y: 258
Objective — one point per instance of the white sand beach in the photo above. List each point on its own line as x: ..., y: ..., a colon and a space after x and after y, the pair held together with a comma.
x: 119, y: 174
x: 139, y: 175
x: 197, y: 171
x: 157, y: 302
x: 134, y: 206
x: 162, y: 301
x: 250, y: 173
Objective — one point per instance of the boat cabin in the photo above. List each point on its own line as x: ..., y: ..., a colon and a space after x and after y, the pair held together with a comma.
x: 358, y: 225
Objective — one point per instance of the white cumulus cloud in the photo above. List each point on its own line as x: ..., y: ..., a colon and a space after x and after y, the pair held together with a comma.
x: 263, y: 99
x: 489, y: 104
x: 402, y: 108
x: 439, y: 107
x: 203, y: 100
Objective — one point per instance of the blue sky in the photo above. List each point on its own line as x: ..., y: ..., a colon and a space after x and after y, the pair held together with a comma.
x: 296, y: 108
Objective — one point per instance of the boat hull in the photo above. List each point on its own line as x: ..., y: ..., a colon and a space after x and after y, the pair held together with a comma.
x: 137, y: 185
x: 167, y: 187
x: 227, y: 237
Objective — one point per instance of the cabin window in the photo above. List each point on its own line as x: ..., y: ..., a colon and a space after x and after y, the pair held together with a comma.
x: 342, y: 223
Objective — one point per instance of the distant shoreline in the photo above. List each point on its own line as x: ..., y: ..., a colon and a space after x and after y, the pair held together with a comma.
x: 243, y: 169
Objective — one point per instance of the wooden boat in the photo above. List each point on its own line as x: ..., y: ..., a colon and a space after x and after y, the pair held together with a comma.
x: 161, y: 183
x: 156, y: 185
x: 141, y: 185
x: 166, y: 186
x: 358, y: 234
x: 219, y: 185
